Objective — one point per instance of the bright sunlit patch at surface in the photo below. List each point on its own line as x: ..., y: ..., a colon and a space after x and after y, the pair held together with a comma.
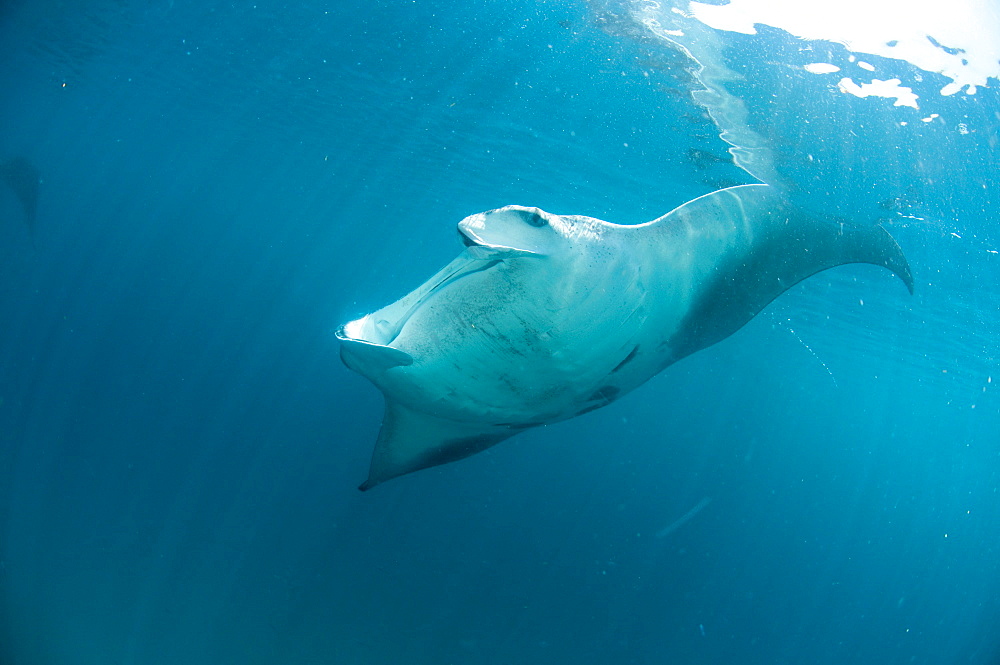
x: 821, y: 68
x: 890, y: 89
x: 957, y: 40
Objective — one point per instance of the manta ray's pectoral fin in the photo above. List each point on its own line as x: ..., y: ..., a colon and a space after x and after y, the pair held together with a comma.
x: 410, y: 441
x: 772, y: 247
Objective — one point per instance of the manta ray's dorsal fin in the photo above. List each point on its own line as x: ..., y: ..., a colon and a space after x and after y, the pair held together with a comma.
x: 771, y: 246
x: 410, y: 441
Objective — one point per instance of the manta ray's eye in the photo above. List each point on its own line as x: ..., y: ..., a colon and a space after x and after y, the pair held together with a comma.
x: 534, y: 219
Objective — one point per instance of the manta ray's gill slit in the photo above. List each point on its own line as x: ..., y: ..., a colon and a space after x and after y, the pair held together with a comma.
x: 601, y: 397
x: 458, y: 273
x: 627, y: 359
x: 606, y: 394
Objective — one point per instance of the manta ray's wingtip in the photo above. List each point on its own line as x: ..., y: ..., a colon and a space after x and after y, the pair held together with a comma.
x: 893, y: 258
x: 410, y: 441
x: 908, y: 281
x: 906, y: 275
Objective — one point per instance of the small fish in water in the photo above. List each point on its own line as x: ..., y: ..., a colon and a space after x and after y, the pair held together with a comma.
x: 545, y: 317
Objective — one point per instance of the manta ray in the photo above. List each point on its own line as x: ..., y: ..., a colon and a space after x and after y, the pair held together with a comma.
x: 544, y: 317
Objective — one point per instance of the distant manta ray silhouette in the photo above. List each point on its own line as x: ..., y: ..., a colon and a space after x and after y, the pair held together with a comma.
x: 545, y: 317
x: 23, y: 178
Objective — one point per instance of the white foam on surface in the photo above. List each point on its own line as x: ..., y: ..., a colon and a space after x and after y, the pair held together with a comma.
x: 957, y: 39
x: 890, y: 89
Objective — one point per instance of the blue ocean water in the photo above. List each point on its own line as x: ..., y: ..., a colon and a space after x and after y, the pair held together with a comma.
x: 222, y: 184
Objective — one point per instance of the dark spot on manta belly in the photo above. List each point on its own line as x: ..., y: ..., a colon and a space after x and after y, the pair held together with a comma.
x: 627, y: 359
x: 605, y: 394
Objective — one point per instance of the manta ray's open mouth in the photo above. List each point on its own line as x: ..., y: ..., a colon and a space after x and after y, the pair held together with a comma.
x: 381, y: 328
